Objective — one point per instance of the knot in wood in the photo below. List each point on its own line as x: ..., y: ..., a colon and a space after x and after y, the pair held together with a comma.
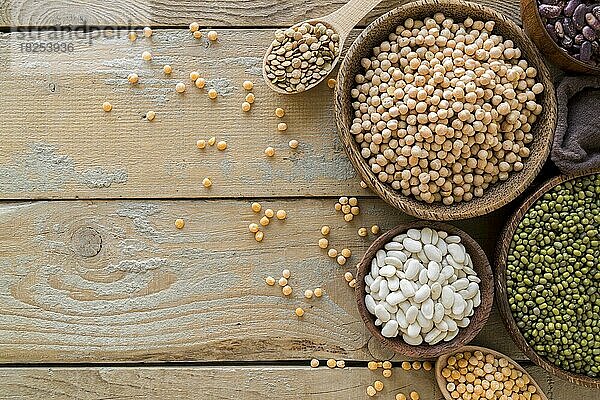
x: 86, y: 242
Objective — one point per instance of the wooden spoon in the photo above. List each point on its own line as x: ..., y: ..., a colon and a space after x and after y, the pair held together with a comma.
x: 443, y: 360
x: 342, y: 21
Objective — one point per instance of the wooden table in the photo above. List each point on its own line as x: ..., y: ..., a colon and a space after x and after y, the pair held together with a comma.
x: 100, y: 296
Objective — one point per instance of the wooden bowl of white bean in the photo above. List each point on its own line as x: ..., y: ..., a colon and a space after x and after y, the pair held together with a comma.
x: 445, y: 108
x: 437, y: 296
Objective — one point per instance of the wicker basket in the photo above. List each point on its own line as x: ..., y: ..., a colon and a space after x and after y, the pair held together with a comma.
x: 495, y: 196
x: 501, y: 291
x: 465, y: 335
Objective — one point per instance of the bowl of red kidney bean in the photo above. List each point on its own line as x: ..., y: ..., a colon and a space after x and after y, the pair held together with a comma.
x: 566, y: 31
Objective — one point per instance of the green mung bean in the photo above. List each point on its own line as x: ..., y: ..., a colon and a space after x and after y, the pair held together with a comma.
x: 553, y: 276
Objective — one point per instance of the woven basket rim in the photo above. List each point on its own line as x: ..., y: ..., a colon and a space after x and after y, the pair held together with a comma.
x: 496, y: 195
x: 500, y: 265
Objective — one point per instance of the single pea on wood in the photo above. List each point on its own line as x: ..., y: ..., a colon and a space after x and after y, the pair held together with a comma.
x: 553, y: 278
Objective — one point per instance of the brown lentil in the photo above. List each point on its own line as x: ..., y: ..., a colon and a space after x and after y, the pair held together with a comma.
x: 301, y: 56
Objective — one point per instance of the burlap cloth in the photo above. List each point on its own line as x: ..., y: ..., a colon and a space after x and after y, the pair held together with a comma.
x: 576, y: 144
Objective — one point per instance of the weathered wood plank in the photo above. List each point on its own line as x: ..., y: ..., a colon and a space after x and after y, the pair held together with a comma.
x: 108, y: 281
x: 181, y: 13
x: 65, y: 146
x: 249, y: 383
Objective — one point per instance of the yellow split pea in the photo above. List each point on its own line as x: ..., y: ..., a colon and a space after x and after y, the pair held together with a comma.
x: 167, y: 69
x: 107, y: 106
x: 318, y: 292
x: 146, y: 56
x: 299, y: 312
x: 212, y: 94
x: 269, y: 152
x: 287, y: 290
x: 212, y: 36
x: 194, y: 75
x: 194, y: 26
x: 222, y: 145
x: 323, y: 243
x: 180, y: 87
x: 133, y: 78
x: 200, y: 83
x: 179, y: 223
x: 270, y: 280
x: 206, y: 182
x: 256, y: 207
x: 248, y: 85
x: 150, y: 115
x: 281, y: 214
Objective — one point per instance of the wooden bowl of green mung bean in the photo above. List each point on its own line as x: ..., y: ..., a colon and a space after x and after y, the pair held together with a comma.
x: 548, y: 277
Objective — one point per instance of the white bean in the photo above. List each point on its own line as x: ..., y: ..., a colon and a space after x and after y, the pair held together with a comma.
x: 396, y: 262
x: 393, y: 246
x: 423, y: 293
x: 433, y: 253
x: 387, y: 270
x: 427, y: 308
x: 393, y: 283
x: 407, y: 288
x: 411, y: 314
x: 370, y: 303
x: 390, y: 328
x: 395, y: 298
x: 413, y: 267
x: 412, y: 341
x: 380, y: 256
x: 382, y: 313
x: 412, y: 245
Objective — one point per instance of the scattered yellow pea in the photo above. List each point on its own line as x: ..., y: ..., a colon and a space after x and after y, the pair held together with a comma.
x: 212, y: 141
x: 331, y: 363
x: 212, y: 36
x: 179, y: 223
x: 147, y: 31
x: 194, y: 26
x: 299, y: 312
x: 343, y: 200
x: 212, y: 94
x: 281, y: 214
x: 250, y: 98
x: 341, y: 260
x: 279, y: 112
x: 282, y: 127
x: 308, y: 294
x: 256, y: 207
x: 371, y: 391
x: 180, y: 87
x: 167, y: 69
x: 287, y: 290
x: 348, y: 276
x: 201, y: 144
x: 248, y: 85
x: 270, y: 280
x: 340, y: 363
x: 325, y: 230
x: 264, y: 221
x: 197, y: 35
x: 353, y: 201
x: 375, y: 229
x: 332, y: 253
x: 346, y: 253
x: 318, y: 292
x: 286, y: 273
x: 337, y: 206
x: 106, y: 106
x: 323, y: 243
x: 378, y: 385
x: 314, y: 363
x: 246, y: 106
x: 269, y: 213
x: 387, y: 373
x: 387, y: 364
x: 132, y: 36
x: 331, y: 83
x: 206, y: 182
x: 150, y: 115
x: 414, y: 396
x: 348, y: 217
x: 259, y: 236
x: 269, y: 152
x: 416, y: 365
x: 362, y: 232
x: 222, y: 145
x: 427, y: 366
x: 355, y: 210
x: 352, y: 283
x: 293, y: 144
x: 253, y: 227
x: 194, y: 75
x: 200, y: 83
x: 133, y: 78
x: 372, y: 365
x: 400, y: 396
x: 146, y: 56
x: 282, y: 281
x: 406, y: 366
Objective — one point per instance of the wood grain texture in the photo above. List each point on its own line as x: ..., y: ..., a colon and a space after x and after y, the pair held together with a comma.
x: 110, y: 281
x: 249, y: 383
x: 181, y: 12
x: 65, y: 146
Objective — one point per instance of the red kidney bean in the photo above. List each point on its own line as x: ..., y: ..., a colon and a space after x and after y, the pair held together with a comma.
x: 585, y: 53
x: 548, y: 11
x: 579, y: 16
x: 588, y: 33
x: 570, y: 7
x: 592, y: 21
